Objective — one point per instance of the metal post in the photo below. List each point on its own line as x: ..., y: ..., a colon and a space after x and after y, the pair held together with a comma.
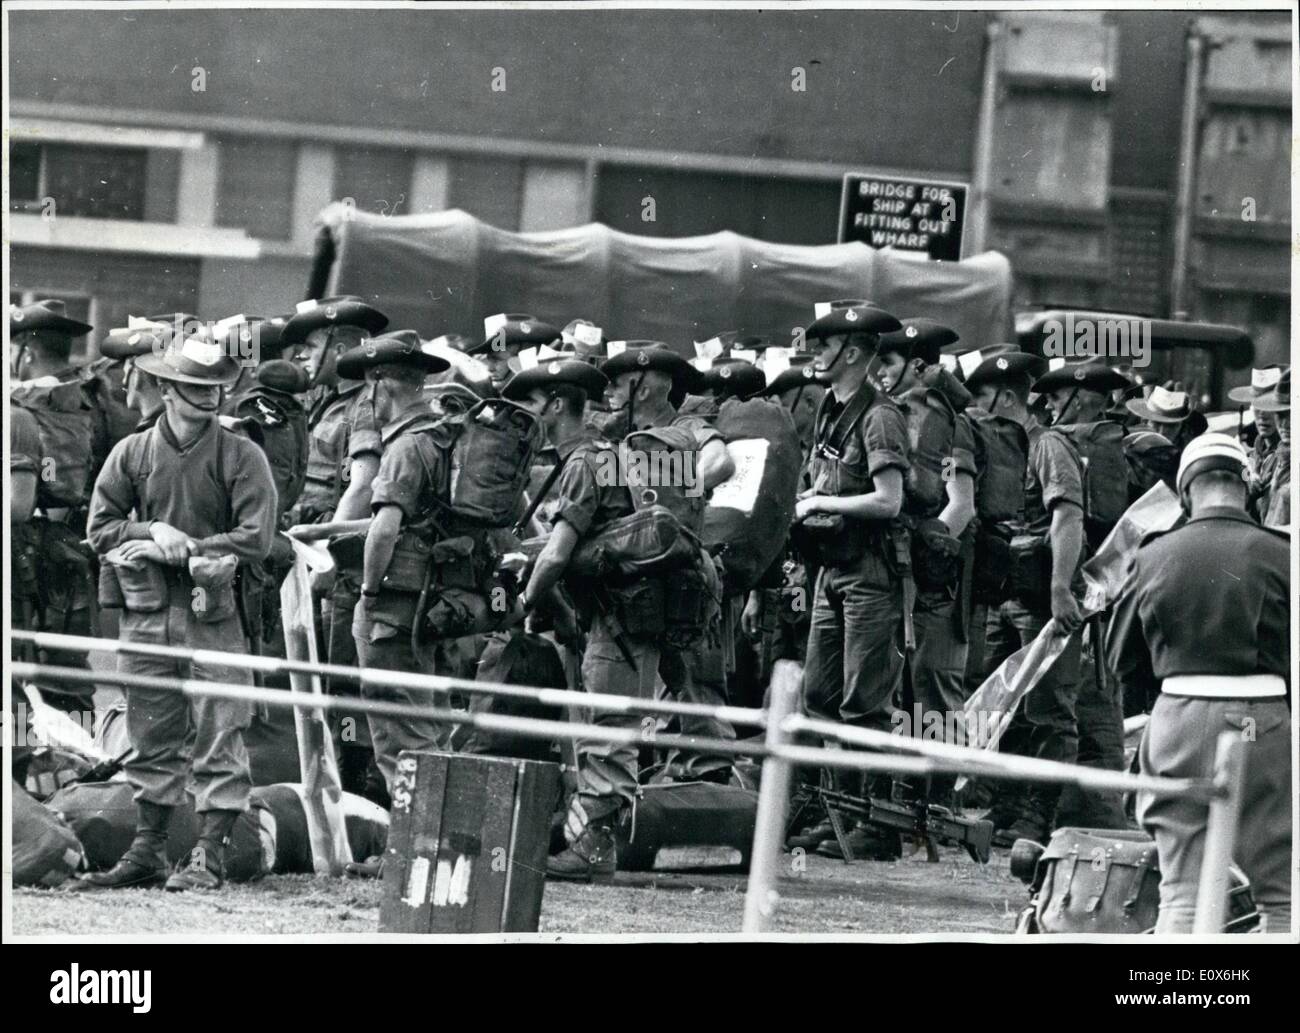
x: 1187, y: 151
x: 1220, y: 835
x: 773, y: 800
x: 980, y: 202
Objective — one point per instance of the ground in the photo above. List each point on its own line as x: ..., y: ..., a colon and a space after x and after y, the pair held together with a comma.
x: 953, y: 896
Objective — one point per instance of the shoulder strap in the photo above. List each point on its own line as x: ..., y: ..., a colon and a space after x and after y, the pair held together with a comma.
x: 848, y: 419
x: 542, y: 492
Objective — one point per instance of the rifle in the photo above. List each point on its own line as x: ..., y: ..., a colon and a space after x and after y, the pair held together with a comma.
x: 919, y: 819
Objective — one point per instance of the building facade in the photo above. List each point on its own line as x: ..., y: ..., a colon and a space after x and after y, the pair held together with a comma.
x: 164, y: 160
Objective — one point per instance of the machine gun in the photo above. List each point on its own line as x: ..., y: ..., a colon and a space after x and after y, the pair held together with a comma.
x: 919, y: 819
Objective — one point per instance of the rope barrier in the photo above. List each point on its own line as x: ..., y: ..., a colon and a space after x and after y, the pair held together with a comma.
x: 375, y: 676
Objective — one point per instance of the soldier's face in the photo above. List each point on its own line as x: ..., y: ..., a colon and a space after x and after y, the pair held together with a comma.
x: 987, y: 398
x: 1265, y: 422
x: 620, y: 390
x: 192, y: 400
x: 894, y: 371
x: 501, y: 364
x: 1284, y: 427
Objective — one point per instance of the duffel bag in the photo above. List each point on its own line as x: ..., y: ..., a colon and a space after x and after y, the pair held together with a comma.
x: 688, y: 825
x: 46, y: 851
x: 749, y: 514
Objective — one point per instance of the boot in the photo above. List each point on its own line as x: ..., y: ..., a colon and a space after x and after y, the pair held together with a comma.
x: 813, y: 836
x: 202, y: 869
x: 144, y: 865
x: 592, y: 857
x: 867, y: 842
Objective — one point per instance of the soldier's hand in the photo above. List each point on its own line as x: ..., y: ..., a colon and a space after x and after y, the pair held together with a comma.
x: 1065, y: 610
x: 804, y: 507
x: 751, y: 618
x: 176, y: 545
x: 137, y: 551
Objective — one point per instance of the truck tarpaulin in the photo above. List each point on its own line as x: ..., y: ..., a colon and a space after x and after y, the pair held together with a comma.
x: 446, y: 272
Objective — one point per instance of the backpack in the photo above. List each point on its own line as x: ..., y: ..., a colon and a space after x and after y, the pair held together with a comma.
x: 1105, y: 474
x: 1001, y: 455
x: 491, y: 455
x: 112, y: 418
x: 931, y: 410
x: 749, y: 514
x: 283, y: 424
x: 65, y: 421
x: 649, y: 458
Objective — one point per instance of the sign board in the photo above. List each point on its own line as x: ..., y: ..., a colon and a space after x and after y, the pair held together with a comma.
x: 906, y: 214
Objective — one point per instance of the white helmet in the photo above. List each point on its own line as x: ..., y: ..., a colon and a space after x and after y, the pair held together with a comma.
x: 1210, y: 452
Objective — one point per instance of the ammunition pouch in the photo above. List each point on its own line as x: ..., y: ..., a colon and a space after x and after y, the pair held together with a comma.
x: 648, y: 543
x: 690, y: 598
x: 936, y: 557
x: 409, y: 565
x: 991, y: 570
x: 212, y: 599
x: 829, y: 540
x: 1030, y: 573
x: 640, y: 606
x: 141, y: 587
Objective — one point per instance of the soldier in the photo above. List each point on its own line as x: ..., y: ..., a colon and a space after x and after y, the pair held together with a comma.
x: 643, y: 379
x: 1266, y: 438
x: 798, y: 389
x: 504, y: 337
x: 1044, y: 562
x: 47, y: 385
x: 410, y: 481
x: 585, y: 340
x: 316, y: 335
x: 1274, y: 502
x: 1170, y: 414
x: 619, y: 658
x: 847, y: 524
x: 343, y: 444
x: 1208, y: 613
x: 733, y: 378
x: 175, y: 510
x: 938, y: 506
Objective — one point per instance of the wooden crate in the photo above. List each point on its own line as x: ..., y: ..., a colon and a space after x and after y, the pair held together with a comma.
x: 467, y: 845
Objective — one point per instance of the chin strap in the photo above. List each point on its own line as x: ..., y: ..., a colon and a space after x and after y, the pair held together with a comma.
x: 180, y: 390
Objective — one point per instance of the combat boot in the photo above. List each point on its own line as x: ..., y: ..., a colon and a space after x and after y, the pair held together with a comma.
x: 202, y: 870
x: 867, y: 843
x: 592, y: 857
x: 144, y: 865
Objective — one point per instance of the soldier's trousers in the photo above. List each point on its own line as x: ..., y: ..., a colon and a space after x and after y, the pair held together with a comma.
x: 1101, y: 745
x: 387, y: 647
x: 938, y: 673
x: 854, y: 663
x: 699, y: 675
x: 172, y: 735
x: 607, y: 774
x: 1180, y: 742
x: 1048, y: 711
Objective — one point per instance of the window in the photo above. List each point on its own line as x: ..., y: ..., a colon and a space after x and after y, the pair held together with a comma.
x: 255, y: 191
x: 24, y: 177
x: 95, y: 182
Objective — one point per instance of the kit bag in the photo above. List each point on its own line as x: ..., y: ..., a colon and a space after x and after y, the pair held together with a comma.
x: 491, y: 455
x: 1097, y: 881
x: 1001, y: 456
x: 46, y: 851
x: 66, y: 424
x: 660, y: 467
x: 1105, y: 474
x: 749, y: 514
x: 931, y: 412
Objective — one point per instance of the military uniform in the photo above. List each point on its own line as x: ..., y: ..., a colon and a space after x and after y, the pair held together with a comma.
x: 1208, y: 612
x: 1047, y: 724
x: 413, y: 476
x: 938, y: 665
x: 1274, y: 501
x: 218, y: 490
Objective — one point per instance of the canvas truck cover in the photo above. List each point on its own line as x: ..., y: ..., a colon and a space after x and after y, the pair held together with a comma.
x: 446, y: 272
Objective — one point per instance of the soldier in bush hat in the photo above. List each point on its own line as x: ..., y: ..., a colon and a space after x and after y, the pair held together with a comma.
x: 406, y: 487
x: 584, y: 339
x: 1207, y: 613
x: 847, y: 525
x: 733, y: 378
x: 1273, y: 503
x: 1262, y: 382
x: 176, y: 510
x: 504, y: 336
x: 1052, y: 536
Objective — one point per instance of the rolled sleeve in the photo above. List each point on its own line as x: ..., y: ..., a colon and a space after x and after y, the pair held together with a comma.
x: 963, y: 446
x: 576, y: 496
x: 400, y: 479
x: 364, y: 437
x: 699, y: 428
x: 884, y: 439
x: 1058, y: 471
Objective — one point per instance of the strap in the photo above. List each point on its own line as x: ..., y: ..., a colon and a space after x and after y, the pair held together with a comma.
x: 857, y: 406
x: 542, y: 492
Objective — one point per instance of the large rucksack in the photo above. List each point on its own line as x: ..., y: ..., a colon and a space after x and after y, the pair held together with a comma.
x: 1105, y: 474
x: 112, y: 418
x: 1001, y: 456
x: 931, y: 424
x: 63, y: 416
x: 660, y: 467
x: 749, y: 514
x: 491, y: 452
x: 283, y: 423
x: 45, y: 850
